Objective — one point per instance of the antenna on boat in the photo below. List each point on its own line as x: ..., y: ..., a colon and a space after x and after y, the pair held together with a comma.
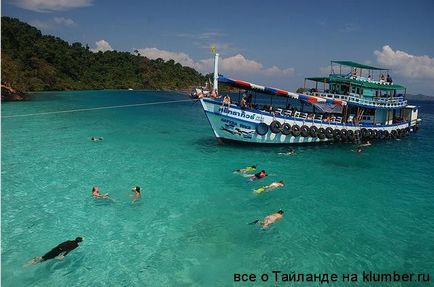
x: 216, y: 68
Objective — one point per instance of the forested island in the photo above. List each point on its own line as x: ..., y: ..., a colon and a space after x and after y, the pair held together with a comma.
x: 35, y: 62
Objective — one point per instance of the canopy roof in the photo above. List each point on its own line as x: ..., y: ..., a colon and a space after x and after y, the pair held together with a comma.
x: 375, y: 85
x: 279, y: 92
x: 357, y: 65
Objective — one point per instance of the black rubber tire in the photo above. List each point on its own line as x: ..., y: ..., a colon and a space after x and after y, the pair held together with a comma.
x: 304, y: 130
x: 262, y: 129
x: 275, y: 127
x: 295, y: 130
x: 329, y: 133
x: 286, y: 129
x: 313, y: 131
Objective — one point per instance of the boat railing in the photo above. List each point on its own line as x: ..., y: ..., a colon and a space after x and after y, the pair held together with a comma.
x: 380, y: 102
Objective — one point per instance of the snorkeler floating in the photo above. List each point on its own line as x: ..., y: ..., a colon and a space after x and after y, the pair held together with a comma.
x: 258, y: 175
x: 64, y: 247
x: 246, y: 169
x: 289, y: 152
x: 96, y: 139
x: 273, y: 185
x: 268, y: 220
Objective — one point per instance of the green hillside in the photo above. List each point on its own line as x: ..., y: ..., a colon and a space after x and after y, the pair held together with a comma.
x: 34, y: 62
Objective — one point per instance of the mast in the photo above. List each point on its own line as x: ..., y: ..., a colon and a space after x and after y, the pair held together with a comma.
x: 216, y: 72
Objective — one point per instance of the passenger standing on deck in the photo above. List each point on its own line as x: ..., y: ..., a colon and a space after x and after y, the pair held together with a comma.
x: 243, y: 103
x: 389, y: 79
x: 64, y: 247
x: 249, y: 101
x: 354, y: 73
x: 382, y: 78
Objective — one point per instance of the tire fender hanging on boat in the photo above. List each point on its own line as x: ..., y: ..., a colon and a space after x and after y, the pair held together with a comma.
x: 275, y: 127
x: 337, y: 134
x: 344, y: 134
x: 313, y: 131
x: 364, y: 133
x: 329, y: 132
x: 295, y: 130
x: 262, y: 129
x: 321, y: 133
x: 350, y: 135
x: 286, y: 129
x: 304, y: 131
x: 386, y: 134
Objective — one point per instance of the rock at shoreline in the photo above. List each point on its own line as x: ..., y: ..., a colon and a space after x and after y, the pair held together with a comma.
x: 10, y: 94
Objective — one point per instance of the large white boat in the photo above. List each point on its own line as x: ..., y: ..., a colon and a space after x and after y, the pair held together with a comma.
x: 349, y: 106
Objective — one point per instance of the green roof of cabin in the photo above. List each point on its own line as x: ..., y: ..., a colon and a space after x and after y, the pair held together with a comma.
x: 358, y: 83
x: 357, y: 65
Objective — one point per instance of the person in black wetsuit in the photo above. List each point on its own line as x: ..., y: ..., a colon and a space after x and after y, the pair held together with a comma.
x: 64, y: 247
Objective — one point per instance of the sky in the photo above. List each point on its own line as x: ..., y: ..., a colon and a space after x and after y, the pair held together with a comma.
x: 274, y: 43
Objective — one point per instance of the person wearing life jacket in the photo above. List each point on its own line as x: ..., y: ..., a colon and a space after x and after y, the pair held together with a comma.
x: 259, y: 175
x: 246, y: 169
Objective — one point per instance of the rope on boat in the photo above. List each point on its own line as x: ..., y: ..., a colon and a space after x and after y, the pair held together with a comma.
x: 98, y: 108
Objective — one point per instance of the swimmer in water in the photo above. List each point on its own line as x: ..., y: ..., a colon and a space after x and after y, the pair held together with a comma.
x: 273, y: 185
x: 137, y: 195
x: 246, y: 169
x: 64, y: 247
x: 268, y: 220
x: 96, y: 139
x: 258, y: 175
x: 289, y: 152
x: 367, y: 143
x: 97, y: 194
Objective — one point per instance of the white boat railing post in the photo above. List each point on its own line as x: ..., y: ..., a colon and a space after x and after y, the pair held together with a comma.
x: 216, y: 72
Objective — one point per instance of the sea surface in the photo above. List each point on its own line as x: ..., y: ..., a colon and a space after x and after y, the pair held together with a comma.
x: 345, y: 213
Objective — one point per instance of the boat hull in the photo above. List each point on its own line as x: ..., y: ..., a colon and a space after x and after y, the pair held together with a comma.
x: 252, y: 126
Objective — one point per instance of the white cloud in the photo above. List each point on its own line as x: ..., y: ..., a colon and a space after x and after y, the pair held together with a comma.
x: 51, y: 5
x: 102, y: 45
x: 41, y: 25
x: 64, y: 21
x: 154, y: 53
x: 233, y: 64
x: 200, y: 36
x: 407, y: 65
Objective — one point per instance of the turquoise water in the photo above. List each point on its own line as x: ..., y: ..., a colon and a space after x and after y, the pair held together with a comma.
x: 344, y: 212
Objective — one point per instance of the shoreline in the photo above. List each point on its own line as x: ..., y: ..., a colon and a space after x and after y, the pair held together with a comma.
x: 9, y: 94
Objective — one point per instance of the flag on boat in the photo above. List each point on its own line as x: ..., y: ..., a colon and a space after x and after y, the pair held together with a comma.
x: 279, y: 92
